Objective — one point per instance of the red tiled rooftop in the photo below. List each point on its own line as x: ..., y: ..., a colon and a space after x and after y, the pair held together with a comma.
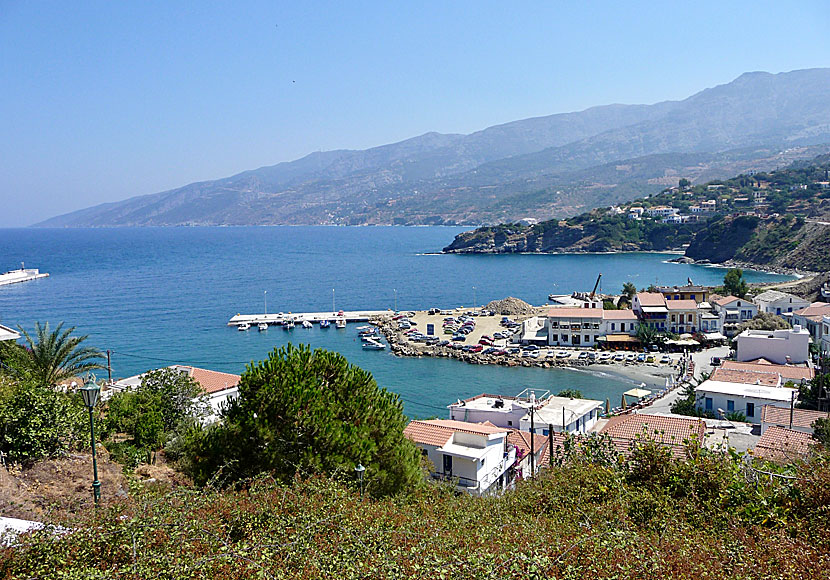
x: 439, y: 431
x: 211, y: 381
x: 619, y: 315
x: 746, y: 377
x: 815, y: 311
x: 575, y: 313
x: 802, y: 418
x: 726, y: 300
x: 521, y: 440
x: 783, y: 445
x: 651, y: 299
x: 681, y: 304
x: 670, y: 430
x: 787, y: 372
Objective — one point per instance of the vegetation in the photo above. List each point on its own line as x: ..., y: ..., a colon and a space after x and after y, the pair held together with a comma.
x: 629, y: 290
x: 821, y: 431
x: 734, y: 283
x: 764, y: 321
x: 307, y: 411
x: 817, y: 388
x: 53, y: 356
x: 570, y: 393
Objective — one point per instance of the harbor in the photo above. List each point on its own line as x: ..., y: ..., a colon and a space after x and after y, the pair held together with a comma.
x: 22, y: 274
x: 280, y: 318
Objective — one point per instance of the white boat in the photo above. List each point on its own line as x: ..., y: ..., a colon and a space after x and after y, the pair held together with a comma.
x: 340, y: 323
x: 288, y: 324
x: 307, y: 324
x: 365, y: 327
x: 262, y: 326
x: 373, y: 344
x: 21, y: 275
x: 324, y: 323
x: 243, y: 326
x: 369, y: 337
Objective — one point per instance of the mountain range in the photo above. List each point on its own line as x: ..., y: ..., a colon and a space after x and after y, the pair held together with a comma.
x: 544, y: 167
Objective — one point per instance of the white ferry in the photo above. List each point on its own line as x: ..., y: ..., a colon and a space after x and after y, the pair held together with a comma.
x: 21, y: 275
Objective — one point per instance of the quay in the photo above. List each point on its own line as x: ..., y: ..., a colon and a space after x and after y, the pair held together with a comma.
x: 21, y: 275
x: 300, y: 317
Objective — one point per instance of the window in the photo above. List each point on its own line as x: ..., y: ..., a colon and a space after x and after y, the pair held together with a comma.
x: 544, y: 431
x: 622, y: 326
x: 708, y: 403
x: 613, y: 326
x: 554, y: 338
x: 750, y: 409
x: 509, y: 423
x: 587, y: 338
x: 448, y: 464
x: 730, y: 405
x: 691, y: 296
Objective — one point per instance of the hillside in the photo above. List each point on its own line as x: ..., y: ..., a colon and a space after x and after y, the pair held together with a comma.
x: 558, y: 165
x: 779, y: 219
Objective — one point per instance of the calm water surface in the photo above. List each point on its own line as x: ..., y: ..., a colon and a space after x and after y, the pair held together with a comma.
x: 157, y: 296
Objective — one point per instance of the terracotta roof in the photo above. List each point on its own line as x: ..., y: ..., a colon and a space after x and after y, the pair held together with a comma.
x: 626, y: 430
x: 211, y: 381
x: 815, y: 311
x: 575, y: 313
x: 787, y: 372
x: 782, y: 445
x: 726, y: 300
x: 651, y: 299
x: 619, y: 315
x: 521, y: 440
x: 802, y: 418
x: 746, y: 377
x: 440, y: 431
x: 681, y: 304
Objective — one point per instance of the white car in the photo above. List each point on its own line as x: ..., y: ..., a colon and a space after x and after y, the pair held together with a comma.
x: 605, y: 356
x: 619, y: 357
x: 563, y: 354
x: 631, y: 357
x: 665, y: 359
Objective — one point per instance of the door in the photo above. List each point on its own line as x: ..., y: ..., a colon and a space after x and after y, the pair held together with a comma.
x: 448, y: 465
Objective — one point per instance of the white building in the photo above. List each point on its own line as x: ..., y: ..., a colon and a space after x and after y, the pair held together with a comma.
x: 585, y: 326
x: 779, y: 303
x: 825, y: 335
x: 811, y: 317
x: 733, y: 311
x: 476, y: 456
x: 749, y: 399
x: 662, y: 211
x: 563, y: 413
x: 790, y: 346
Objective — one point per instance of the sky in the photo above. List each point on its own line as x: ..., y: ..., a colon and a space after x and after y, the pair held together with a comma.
x: 102, y: 101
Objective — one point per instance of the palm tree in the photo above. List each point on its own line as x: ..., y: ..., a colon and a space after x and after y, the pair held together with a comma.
x: 54, y: 356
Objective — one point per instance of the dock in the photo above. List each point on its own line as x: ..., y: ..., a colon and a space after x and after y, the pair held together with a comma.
x: 300, y: 317
x: 22, y: 274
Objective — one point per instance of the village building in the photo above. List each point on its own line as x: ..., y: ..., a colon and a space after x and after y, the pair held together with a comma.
x: 661, y: 211
x: 789, y: 346
x: 476, y: 456
x: 683, y: 316
x: 651, y: 310
x: 789, y: 373
x: 779, y: 303
x: 628, y: 431
x: 811, y: 318
x: 525, y: 465
x: 782, y: 445
x: 792, y: 418
x: 688, y: 292
x: 746, y: 392
x: 825, y: 336
x: 733, y: 311
x: 574, y: 326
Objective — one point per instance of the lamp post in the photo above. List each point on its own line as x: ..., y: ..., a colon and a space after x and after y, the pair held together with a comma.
x: 360, y: 470
x: 90, y: 394
x: 474, y: 297
x: 396, y: 298
x: 265, y: 294
x: 332, y: 300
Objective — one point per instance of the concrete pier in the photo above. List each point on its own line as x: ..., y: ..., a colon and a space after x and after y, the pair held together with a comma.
x: 299, y: 317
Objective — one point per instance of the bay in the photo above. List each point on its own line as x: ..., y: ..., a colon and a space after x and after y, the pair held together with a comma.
x: 158, y: 296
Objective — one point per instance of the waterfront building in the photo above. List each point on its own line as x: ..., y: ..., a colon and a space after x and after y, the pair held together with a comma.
x: 811, y: 317
x: 683, y: 316
x: 574, y: 326
x: 688, y: 292
x: 733, y: 311
x: 779, y: 303
x: 476, y: 456
x: 650, y: 308
x: 790, y: 346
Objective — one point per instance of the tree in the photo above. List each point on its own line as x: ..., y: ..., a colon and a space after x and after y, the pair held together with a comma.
x: 629, y: 290
x: 821, y: 431
x: 54, y: 356
x: 764, y: 321
x: 684, y: 183
x: 570, y: 393
x: 304, y: 411
x: 734, y: 284
x: 818, y: 388
x: 647, y: 334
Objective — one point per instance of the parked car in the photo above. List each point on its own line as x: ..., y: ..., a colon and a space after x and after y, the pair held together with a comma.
x: 459, y: 338
x: 619, y: 357
x: 477, y: 348
x: 583, y: 356
x: 641, y: 357
x: 563, y: 354
x: 532, y: 347
x: 716, y: 361
x: 665, y: 359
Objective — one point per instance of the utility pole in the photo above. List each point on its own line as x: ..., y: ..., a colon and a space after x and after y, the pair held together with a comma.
x: 532, y: 405
x: 109, y: 367
x: 550, y: 445
x: 792, y: 407
x: 396, y: 298
x: 474, y: 298
x: 332, y: 301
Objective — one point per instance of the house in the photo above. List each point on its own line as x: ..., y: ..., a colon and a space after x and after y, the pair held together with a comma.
x: 783, y: 445
x: 811, y: 317
x: 789, y: 346
x: 627, y: 431
x: 558, y: 413
x: 219, y: 387
x: 7, y: 333
x: 528, y: 221
x: 651, y: 310
x: 574, y: 326
x: 743, y: 397
x: 683, y: 316
x: 635, y: 213
x: 792, y: 418
x: 661, y: 211
x: 476, y: 456
x: 523, y: 442
x: 688, y: 292
x: 788, y: 373
x: 733, y: 311
x: 533, y: 331
x: 709, y: 320
x: 825, y: 335
x: 779, y: 303
x: 619, y: 322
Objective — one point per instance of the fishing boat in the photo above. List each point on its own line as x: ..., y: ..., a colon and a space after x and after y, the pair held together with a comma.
x: 340, y: 323
x: 288, y: 324
x: 243, y: 326
x: 262, y: 326
x: 373, y: 344
x: 324, y: 323
x: 307, y: 324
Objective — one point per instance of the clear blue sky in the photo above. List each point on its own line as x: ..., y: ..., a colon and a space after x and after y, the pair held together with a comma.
x: 101, y: 101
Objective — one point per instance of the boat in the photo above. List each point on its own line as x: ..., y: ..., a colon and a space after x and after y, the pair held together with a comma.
x: 21, y: 275
x: 243, y: 326
x: 307, y: 324
x: 324, y: 323
x: 288, y: 324
x: 365, y: 327
x: 262, y: 326
x: 368, y: 337
x: 340, y: 323
x: 373, y: 344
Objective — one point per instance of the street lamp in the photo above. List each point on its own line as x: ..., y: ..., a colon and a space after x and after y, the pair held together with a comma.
x: 90, y: 394
x: 265, y: 294
x: 396, y: 298
x: 474, y: 297
x: 360, y: 470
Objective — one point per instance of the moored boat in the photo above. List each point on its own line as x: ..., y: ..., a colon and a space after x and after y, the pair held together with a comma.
x: 373, y: 344
x: 307, y: 324
x: 262, y: 326
x: 324, y: 323
x: 243, y: 326
x: 340, y: 323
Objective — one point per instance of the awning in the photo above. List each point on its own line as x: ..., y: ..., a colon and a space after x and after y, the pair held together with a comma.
x: 655, y: 309
x: 618, y: 338
x: 685, y: 342
x: 713, y: 336
x: 639, y: 393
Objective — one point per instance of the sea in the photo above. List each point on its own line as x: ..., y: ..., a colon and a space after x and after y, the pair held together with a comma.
x: 161, y: 296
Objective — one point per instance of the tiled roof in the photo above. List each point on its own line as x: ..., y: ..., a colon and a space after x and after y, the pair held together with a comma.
x: 627, y: 429
x: 802, y: 418
x: 575, y: 313
x: 211, y: 381
x: 619, y: 315
x: 780, y: 444
x: 440, y: 431
x: 726, y: 300
x: 815, y: 311
x: 521, y: 440
x: 681, y: 304
x: 746, y: 377
x: 651, y: 299
x: 787, y: 372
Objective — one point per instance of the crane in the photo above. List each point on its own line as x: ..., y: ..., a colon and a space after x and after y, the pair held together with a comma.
x: 594, y: 291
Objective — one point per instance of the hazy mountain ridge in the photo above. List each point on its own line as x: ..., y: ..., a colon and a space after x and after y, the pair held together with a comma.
x: 521, y: 168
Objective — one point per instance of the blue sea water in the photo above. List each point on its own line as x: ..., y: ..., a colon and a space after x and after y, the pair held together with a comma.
x: 157, y: 296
